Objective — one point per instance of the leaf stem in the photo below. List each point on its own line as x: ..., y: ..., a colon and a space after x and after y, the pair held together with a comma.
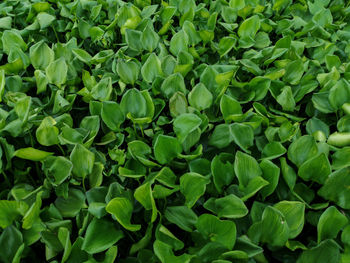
x: 6, y: 179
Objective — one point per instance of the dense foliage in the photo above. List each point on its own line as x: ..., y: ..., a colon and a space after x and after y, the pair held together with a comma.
x: 175, y: 131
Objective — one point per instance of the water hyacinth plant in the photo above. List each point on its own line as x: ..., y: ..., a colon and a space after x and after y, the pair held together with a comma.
x: 175, y: 131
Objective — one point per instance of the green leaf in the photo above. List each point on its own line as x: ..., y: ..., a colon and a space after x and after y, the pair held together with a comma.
x: 33, y: 212
x: 273, y: 150
x: 166, y: 148
x: 82, y: 55
x: 172, y: 84
x: 336, y: 188
x: 254, y: 185
x: 339, y: 139
x: 286, y: 99
x: 190, y: 29
x: 64, y: 238
x: 332, y: 61
x: 343, y: 124
x: 41, y: 81
x: 294, y: 72
x: 321, y: 102
x: 47, y: 132
x: 229, y: 206
x: 293, y: 213
x: 82, y: 160
x: 246, y: 168
x: 71, y: 206
x: 216, y: 230
x: 112, y: 115
x: 330, y: 223
x: 167, y: 177
x: 179, y: 42
x: 10, y: 211
x: 143, y: 242
x: 2, y: 83
x: 165, y: 254
x: 242, y: 135
x: 185, y: 124
x: 164, y: 235
x: 341, y: 158
x: 128, y: 71
x: 12, y: 39
x: 222, y: 171
x: 302, y: 149
x: 41, y: 55
x: 151, y: 69
x: 100, y: 235
x: 144, y: 195
x: 192, y: 186
x: 288, y: 173
x: 280, y: 5
x: 5, y: 22
x: 226, y: 44
x: 230, y: 108
x: 315, y: 126
x: 102, y: 56
x: 121, y: 208
x: 134, y: 103
x: 316, y: 169
x: 149, y: 38
x: 221, y: 136
x: 57, y: 71
x: 237, y: 4
x: 102, y: 90
x: 345, y: 235
x: 44, y: 19
x: 22, y: 108
x: 271, y: 173
x: 249, y: 27
x: 11, y: 240
x: 182, y: 216
x: 200, y: 97
x: 57, y: 169
x: 325, y: 252
x: 178, y: 104
x: 339, y: 94
x: 274, y: 228
x: 132, y: 38
x: 31, y: 154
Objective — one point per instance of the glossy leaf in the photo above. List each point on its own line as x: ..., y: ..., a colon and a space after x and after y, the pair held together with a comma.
x: 335, y: 188
x: 229, y: 206
x: 41, y: 55
x: 31, y: 154
x: 10, y: 210
x: 112, y: 115
x: 100, y: 235
x: 82, y: 160
x: 182, y: 216
x: 121, y: 208
x: 330, y: 223
x: 246, y: 168
x: 200, y: 97
x: 222, y: 231
x: 57, y: 71
x: 151, y: 68
x: 192, y: 186
x: 302, y: 149
x: 293, y: 213
x: 185, y: 124
x: 47, y: 132
x: 166, y: 148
